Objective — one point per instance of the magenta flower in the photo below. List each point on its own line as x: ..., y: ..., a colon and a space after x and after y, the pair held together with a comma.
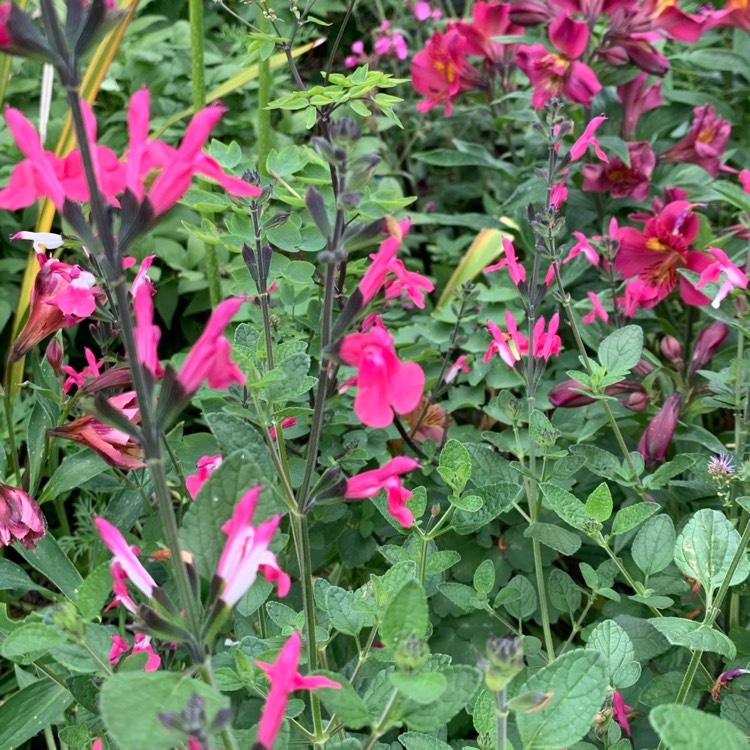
x: 288, y: 422
x: 598, y: 310
x: 489, y: 20
x: 206, y: 466
x: 734, y: 276
x: 724, y: 679
x: 583, y: 246
x: 458, y: 366
x: 657, y: 438
x: 63, y: 295
x: 375, y: 274
x: 117, y: 448
x: 21, y: 518
x: 147, y: 334
x: 513, y: 345
x: 555, y: 74
x: 441, y: 71
x: 142, y: 643
x: 246, y: 552
x: 387, y: 477
x: 706, y: 345
x: 409, y: 283
x: 515, y: 269
x: 704, y: 145
x: 568, y: 394
x: 620, y: 712
x: 209, y: 359
x: 620, y: 180
x: 385, y: 384
x: 579, y: 148
x: 631, y: 37
x: 285, y: 679
x: 423, y: 11
x: 79, y: 378
x: 635, y: 99
x: 125, y: 565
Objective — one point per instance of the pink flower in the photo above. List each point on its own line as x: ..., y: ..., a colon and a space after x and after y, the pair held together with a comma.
x: 246, y: 552
x: 206, y: 466
x: 410, y: 283
x: 734, y: 276
x: 423, y: 11
x: 209, y: 359
x: 147, y: 334
x: 583, y: 246
x: 441, y: 71
x: 620, y: 180
x: 704, y: 144
x: 657, y: 438
x: 620, y: 712
x: 515, y: 269
x: 578, y: 149
x: 79, y: 378
x: 655, y: 254
x: 285, y: 679
x: 745, y: 180
x: 635, y: 99
x: 458, y: 366
x: 631, y: 37
x: 513, y: 345
x: 385, y: 384
x: 489, y: 20
x: 724, y: 679
x: 387, y: 477
x: 142, y: 643
x: 555, y: 74
x: 288, y: 422
x: 116, y: 447
x: 62, y: 296
x: 374, y: 277
x: 706, y: 345
x: 21, y: 518
x: 42, y: 241
x: 597, y: 312
x: 125, y: 565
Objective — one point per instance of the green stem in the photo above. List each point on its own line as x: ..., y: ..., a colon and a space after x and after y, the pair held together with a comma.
x: 425, y: 543
x: 382, y: 726
x: 501, y: 710
x: 197, y: 35
x: 264, y: 97
x: 12, y: 447
x: 49, y: 738
x: 687, y: 681
x: 542, y: 589
x: 227, y: 736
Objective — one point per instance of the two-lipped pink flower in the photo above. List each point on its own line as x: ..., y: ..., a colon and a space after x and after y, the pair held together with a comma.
x: 587, y: 138
x: 21, y: 518
x: 209, y: 359
x: 125, y: 566
x: 62, y: 296
x: 142, y: 645
x: 246, y: 552
x: 458, y: 366
x: 515, y: 269
x: 513, y: 345
x: 79, y: 378
x: 597, y: 311
x: 116, y: 447
x: 147, y: 333
x: 734, y: 276
x: 376, y: 272
x: 385, y: 383
x: 285, y: 679
x: 387, y: 477
x: 620, y: 712
x: 206, y: 466
x: 560, y: 73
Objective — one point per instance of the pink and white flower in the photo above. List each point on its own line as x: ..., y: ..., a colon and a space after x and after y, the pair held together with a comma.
x: 206, y: 466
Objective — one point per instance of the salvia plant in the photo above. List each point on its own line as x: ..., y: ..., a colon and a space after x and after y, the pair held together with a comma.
x: 456, y: 456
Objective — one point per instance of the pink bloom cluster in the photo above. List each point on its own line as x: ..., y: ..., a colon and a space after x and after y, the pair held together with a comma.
x: 512, y: 345
x: 42, y: 174
x: 142, y: 645
x: 388, y: 43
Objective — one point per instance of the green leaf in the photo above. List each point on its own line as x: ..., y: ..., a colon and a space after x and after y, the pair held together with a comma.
x: 578, y: 682
x: 665, y: 472
x: 694, y: 635
x: 564, y: 593
x: 518, y: 598
x: 131, y: 702
x: 339, y: 607
x: 653, y: 545
x: 614, y: 643
x: 442, y: 560
x: 599, y: 503
x: 422, y: 688
x: 94, y: 592
x: 484, y: 577
x: 556, y: 537
x: 467, y: 503
x: 484, y: 715
x: 201, y: 528
x: 736, y: 708
x: 705, y: 547
x: 541, y: 430
x: 566, y: 505
x: 621, y: 350
x: 497, y: 498
x: 14, y: 577
x: 294, y: 380
x: 406, y: 615
x: 255, y: 597
x: 455, y: 465
x: 30, y: 641
x: 234, y: 433
x: 418, y: 741
x: 49, y: 559
x: 27, y: 712
x: 463, y: 596
x: 633, y: 516
x: 685, y: 728
x: 344, y: 702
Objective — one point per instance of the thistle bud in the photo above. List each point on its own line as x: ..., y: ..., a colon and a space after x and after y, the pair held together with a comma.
x: 504, y: 661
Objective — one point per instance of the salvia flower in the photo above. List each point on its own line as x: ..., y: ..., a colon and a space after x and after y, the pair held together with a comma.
x: 620, y: 712
x: 724, y: 679
x: 657, y: 437
x: 117, y: 448
x: 147, y: 333
x: 62, y: 296
x: 79, y: 378
x: 246, y: 552
x: 598, y: 310
x: 42, y: 241
x: 387, y: 477
x: 586, y: 139
x: 385, y: 384
x: 734, y: 276
x: 704, y: 144
x: 285, y: 678
x: 515, y: 269
x: 513, y: 345
x: 458, y: 366
x: 21, y: 518
x: 206, y: 466
x: 125, y: 565
x: 209, y: 359
x: 142, y: 644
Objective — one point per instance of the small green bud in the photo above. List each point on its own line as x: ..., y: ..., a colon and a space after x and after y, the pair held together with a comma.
x: 412, y: 654
x: 504, y: 661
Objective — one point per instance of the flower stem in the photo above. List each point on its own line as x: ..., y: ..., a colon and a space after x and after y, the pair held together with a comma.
x: 8, y: 403
x: 264, y: 97
x: 687, y: 681
x: 501, y: 711
x: 197, y: 53
x: 227, y: 736
x: 382, y: 726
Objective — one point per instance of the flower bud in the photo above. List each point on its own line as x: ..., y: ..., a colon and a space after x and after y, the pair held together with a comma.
x: 412, y: 654
x: 657, y: 438
x: 504, y: 661
x: 643, y: 368
x: 671, y: 348
x: 54, y: 355
x: 636, y: 401
x: 708, y: 343
x: 21, y: 518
